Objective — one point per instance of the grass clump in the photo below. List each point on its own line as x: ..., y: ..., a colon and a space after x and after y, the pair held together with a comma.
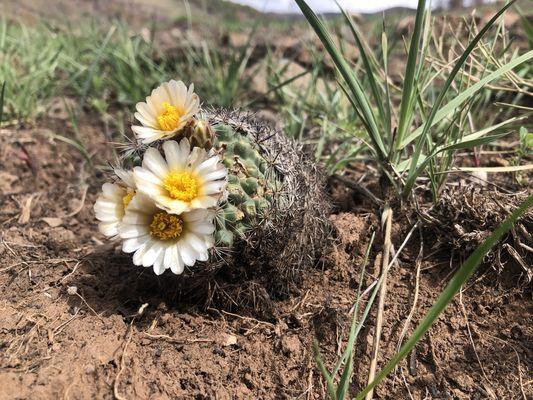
x: 417, y: 136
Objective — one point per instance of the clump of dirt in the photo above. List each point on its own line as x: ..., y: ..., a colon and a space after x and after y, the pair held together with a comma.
x: 465, y: 216
x: 79, y: 321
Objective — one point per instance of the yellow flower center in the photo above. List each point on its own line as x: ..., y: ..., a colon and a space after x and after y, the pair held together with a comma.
x: 127, y: 198
x: 181, y: 185
x: 169, y: 118
x: 166, y: 226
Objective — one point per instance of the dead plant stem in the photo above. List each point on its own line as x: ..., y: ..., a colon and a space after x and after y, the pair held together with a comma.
x: 386, y: 220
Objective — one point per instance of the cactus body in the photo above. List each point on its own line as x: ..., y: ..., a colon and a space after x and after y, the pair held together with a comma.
x: 252, y: 185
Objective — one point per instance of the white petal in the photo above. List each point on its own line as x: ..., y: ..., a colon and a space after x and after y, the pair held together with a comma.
x: 187, y: 254
x: 139, y: 254
x: 154, y: 161
x: 170, y: 205
x: 204, y: 256
x: 198, y: 215
x: 146, y: 110
x: 142, y: 204
x: 148, y: 135
x: 132, y: 231
x: 193, y: 104
x: 214, y: 187
x: 159, y: 268
x: 178, y: 266
x: 158, y: 97
x: 137, y: 218
x: 126, y: 177
x: 207, y: 165
x: 108, y: 229
x: 151, y: 254
x: 176, y: 159
x: 216, y: 174
x: 195, y: 242
x: 202, y: 228
x: 146, y: 121
x: 113, y: 191
x: 131, y: 245
x: 176, y: 95
x: 196, y: 157
x: 204, y: 202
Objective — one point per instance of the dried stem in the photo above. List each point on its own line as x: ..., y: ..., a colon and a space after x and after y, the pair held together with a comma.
x: 386, y: 220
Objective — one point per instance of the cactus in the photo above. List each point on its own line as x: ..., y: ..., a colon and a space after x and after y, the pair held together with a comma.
x: 251, y: 186
x: 195, y: 181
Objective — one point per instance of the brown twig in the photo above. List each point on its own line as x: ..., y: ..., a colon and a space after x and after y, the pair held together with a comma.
x: 82, y: 203
x: 359, y: 189
x: 415, y: 295
x: 116, y: 383
x: 178, y: 341
x: 386, y: 218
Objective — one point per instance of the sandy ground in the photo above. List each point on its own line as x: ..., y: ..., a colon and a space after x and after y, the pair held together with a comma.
x: 79, y: 321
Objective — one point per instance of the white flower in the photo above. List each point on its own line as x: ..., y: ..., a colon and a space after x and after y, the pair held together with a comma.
x: 166, y: 111
x: 183, y: 180
x: 166, y: 241
x: 110, y: 205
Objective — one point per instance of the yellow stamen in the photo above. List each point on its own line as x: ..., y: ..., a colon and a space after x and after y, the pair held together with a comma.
x: 166, y: 226
x: 127, y: 198
x: 169, y: 118
x: 181, y: 185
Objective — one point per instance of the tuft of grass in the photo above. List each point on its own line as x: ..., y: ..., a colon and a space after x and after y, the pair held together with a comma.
x: 419, y: 136
x: 221, y: 74
x: 29, y: 65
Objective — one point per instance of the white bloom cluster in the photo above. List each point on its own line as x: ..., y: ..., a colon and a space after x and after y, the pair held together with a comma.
x: 163, y: 211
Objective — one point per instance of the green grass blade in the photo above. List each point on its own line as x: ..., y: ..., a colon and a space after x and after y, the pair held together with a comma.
x: 366, y: 63
x: 323, y: 370
x: 94, y: 64
x: 458, y: 65
x: 74, y: 143
x: 464, y: 144
x: 388, y: 100
x: 2, y: 93
x: 345, y: 379
x: 354, y: 329
x: 408, y: 93
x: 490, y: 129
x: 465, y: 95
x: 344, y: 69
x: 457, y: 281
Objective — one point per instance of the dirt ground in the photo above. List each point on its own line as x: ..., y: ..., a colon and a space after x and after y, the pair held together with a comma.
x: 79, y: 321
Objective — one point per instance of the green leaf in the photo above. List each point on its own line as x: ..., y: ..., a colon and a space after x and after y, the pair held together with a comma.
x: 78, y: 146
x: 457, y: 281
x: 355, y: 328
x: 458, y: 65
x: 465, y: 95
x: 323, y: 370
x: 366, y: 63
x: 408, y: 92
x: 359, y: 98
x: 463, y: 144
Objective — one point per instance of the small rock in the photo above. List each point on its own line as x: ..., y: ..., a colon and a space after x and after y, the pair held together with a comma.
x: 6, y: 182
x: 229, y: 340
x: 290, y: 344
x: 52, y: 222
x: 90, y: 369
